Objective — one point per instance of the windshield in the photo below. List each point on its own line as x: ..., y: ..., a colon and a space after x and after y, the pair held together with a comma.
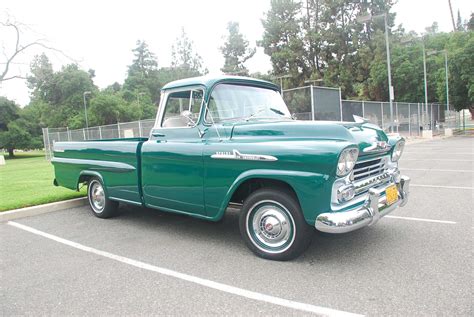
x: 230, y: 102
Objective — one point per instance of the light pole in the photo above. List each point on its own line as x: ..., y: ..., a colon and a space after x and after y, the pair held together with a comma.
x: 369, y: 17
x: 281, y: 80
x: 424, y: 72
x: 85, y: 107
x: 138, y: 101
x: 446, y: 73
x: 313, y: 81
x: 425, y: 81
x: 138, y: 97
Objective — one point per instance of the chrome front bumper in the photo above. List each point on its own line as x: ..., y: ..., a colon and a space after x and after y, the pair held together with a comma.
x: 368, y: 214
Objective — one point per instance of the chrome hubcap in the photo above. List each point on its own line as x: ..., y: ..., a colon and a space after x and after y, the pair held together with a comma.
x: 271, y: 226
x: 97, y: 197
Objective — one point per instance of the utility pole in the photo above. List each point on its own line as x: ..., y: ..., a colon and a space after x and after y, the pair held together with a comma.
x: 85, y: 106
x: 389, y: 71
x: 138, y: 101
x: 281, y: 81
x: 447, y: 76
x: 369, y: 17
x: 425, y: 81
x: 446, y: 71
x: 452, y: 16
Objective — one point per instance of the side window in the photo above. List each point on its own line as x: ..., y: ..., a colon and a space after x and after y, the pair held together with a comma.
x: 182, y: 108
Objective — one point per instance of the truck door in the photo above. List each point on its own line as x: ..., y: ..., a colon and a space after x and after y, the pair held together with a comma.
x: 172, y: 165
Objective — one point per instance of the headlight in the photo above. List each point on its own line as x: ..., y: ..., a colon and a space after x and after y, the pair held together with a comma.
x: 398, y: 150
x: 347, y: 161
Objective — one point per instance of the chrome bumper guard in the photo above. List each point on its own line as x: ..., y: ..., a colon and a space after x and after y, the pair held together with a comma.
x: 368, y: 214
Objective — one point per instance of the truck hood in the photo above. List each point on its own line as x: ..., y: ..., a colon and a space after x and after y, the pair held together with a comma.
x: 362, y: 134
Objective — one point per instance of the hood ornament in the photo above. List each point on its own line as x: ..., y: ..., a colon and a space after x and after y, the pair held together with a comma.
x: 377, y: 146
x: 358, y: 119
x: 236, y: 155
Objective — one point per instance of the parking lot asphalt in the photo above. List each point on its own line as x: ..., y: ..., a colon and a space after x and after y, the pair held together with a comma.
x: 419, y: 261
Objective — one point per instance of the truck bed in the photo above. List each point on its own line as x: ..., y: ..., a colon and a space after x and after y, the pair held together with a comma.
x: 116, y: 161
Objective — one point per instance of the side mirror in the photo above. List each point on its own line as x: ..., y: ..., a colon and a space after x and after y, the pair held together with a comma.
x: 188, y: 115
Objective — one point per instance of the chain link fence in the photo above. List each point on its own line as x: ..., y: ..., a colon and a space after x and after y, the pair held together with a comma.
x: 306, y: 103
x: 408, y: 119
x: 133, y: 129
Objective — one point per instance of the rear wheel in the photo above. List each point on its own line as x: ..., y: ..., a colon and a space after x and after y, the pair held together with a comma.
x: 101, y: 206
x: 272, y: 225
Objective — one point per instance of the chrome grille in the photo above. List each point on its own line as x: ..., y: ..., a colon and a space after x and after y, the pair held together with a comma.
x: 369, y: 168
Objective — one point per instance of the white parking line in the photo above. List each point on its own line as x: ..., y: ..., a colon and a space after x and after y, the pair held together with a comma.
x: 435, y: 147
x: 422, y: 219
x: 440, y: 186
x: 193, y: 279
x: 437, y: 159
x: 442, y: 148
x: 447, y: 153
x: 436, y: 170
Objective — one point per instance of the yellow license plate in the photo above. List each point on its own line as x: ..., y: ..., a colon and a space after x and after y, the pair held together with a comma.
x: 392, y: 194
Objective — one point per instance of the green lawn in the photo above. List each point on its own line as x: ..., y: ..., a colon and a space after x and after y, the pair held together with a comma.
x: 27, y: 180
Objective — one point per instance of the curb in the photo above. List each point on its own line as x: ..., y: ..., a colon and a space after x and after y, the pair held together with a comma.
x: 41, y: 209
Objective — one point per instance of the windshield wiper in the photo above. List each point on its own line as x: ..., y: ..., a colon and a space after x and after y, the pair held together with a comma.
x: 255, y: 113
x: 262, y: 110
x: 277, y: 111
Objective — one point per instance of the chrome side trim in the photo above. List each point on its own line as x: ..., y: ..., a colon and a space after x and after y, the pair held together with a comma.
x: 97, y: 164
x: 236, y: 155
x: 368, y: 214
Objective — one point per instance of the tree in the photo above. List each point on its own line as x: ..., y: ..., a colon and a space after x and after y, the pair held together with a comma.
x: 59, y: 94
x: 433, y: 29
x: 41, y: 75
x: 470, y: 24
x: 14, y: 138
x: 236, y: 51
x: 145, y: 62
x: 9, y: 112
x: 13, y: 132
x: 459, y: 25
x: 142, y: 77
x: 282, y: 40
x: 184, y: 59
x: 324, y: 40
x: 106, y: 108
x: 460, y: 48
x: 16, y: 47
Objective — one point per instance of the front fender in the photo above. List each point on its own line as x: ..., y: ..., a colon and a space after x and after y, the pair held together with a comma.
x: 312, y: 189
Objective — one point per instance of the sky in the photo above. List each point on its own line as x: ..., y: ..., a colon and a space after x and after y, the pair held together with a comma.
x: 100, y: 35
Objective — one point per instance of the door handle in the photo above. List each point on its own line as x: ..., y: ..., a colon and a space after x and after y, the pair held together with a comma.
x: 157, y: 134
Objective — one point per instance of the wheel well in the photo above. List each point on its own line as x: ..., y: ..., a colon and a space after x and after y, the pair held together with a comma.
x: 83, y: 179
x: 251, y: 185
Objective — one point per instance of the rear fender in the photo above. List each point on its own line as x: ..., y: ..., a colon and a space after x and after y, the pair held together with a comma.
x: 87, y: 174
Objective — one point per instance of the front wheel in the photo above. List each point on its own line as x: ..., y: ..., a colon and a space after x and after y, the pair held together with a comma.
x: 101, y: 206
x: 272, y: 225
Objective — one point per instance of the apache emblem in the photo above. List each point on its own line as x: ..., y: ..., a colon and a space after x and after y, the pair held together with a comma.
x: 236, y: 155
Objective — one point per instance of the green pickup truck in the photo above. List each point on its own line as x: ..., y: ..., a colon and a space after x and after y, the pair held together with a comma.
x: 221, y: 142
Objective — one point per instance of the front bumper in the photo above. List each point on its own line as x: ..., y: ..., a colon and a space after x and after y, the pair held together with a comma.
x: 368, y: 214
